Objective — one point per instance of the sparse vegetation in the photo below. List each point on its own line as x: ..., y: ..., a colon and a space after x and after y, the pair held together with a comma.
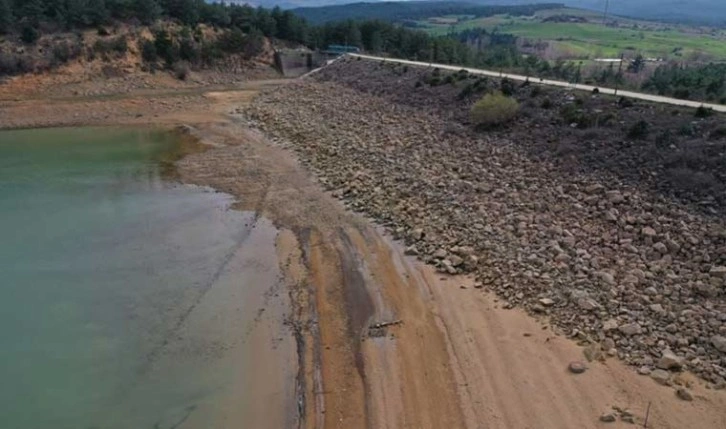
x: 117, y: 45
x: 573, y: 114
x: 181, y: 70
x: 639, y: 130
x: 703, y: 112
x: 507, y: 87
x: 494, y: 110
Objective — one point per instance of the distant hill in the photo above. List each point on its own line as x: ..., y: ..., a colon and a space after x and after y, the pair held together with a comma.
x: 413, y: 10
x: 686, y: 11
x: 711, y: 12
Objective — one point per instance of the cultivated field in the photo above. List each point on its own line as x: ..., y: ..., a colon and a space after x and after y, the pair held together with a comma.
x: 578, y: 34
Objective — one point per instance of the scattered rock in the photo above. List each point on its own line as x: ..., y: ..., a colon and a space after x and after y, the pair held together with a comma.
x: 608, y: 417
x: 411, y: 251
x: 648, y: 232
x: 644, y: 370
x: 661, y: 376
x: 670, y: 361
x: 719, y: 343
x: 610, y: 325
x: 547, y: 302
x: 588, y: 304
x: 593, y: 352
x: 577, y: 367
x: 630, y: 329
x: 718, y: 271
x: 684, y: 394
x: 615, y: 197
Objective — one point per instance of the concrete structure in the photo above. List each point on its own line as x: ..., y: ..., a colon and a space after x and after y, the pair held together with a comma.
x: 294, y: 63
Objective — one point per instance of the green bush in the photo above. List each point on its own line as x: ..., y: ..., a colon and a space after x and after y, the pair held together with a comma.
x: 639, y: 131
x: 703, y: 112
x: 625, y: 102
x: 572, y: 114
x: 148, y: 51
x: 29, y: 34
x: 507, y: 87
x: 494, y: 110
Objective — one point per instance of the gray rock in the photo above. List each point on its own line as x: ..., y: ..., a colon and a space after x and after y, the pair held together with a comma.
x: 719, y: 342
x: 718, y: 271
x: 644, y: 370
x: 577, y: 367
x: 606, y: 277
x: 610, y: 325
x: 439, y: 254
x: 547, y: 302
x: 630, y: 329
x: 615, y: 197
x: 456, y: 260
x: 588, y: 304
x: 648, y: 232
x: 563, y: 257
x: 661, y: 376
x: 660, y: 248
x: 684, y: 394
x: 417, y: 234
x: 670, y: 361
x: 608, y: 417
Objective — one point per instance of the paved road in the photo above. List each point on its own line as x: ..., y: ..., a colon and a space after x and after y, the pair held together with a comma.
x: 589, y: 88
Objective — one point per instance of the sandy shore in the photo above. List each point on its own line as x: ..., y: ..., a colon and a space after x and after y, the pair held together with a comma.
x: 449, y: 359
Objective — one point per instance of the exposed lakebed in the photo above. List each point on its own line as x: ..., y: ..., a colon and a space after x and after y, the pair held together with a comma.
x: 126, y: 300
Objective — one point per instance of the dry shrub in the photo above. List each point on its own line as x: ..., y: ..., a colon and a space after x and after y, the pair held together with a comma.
x: 181, y: 70
x: 494, y: 110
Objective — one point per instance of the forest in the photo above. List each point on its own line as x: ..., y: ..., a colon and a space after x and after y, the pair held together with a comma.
x: 30, y: 18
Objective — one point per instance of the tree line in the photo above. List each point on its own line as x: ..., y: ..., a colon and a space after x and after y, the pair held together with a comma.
x: 414, y: 10
x: 30, y: 18
x: 707, y: 82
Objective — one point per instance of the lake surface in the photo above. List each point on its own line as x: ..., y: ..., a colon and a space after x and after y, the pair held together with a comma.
x: 124, y: 299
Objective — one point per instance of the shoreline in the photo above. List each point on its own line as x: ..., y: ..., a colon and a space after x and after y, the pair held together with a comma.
x: 456, y: 360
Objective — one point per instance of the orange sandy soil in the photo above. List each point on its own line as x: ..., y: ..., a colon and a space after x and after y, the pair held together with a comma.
x: 456, y: 360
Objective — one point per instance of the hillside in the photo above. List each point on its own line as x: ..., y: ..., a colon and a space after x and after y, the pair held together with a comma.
x: 711, y: 12
x: 413, y: 10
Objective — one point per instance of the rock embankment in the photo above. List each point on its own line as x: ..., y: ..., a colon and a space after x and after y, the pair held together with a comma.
x: 631, y: 272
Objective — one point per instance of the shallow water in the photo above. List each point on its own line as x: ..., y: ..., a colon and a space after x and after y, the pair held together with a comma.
x: 105, y: 267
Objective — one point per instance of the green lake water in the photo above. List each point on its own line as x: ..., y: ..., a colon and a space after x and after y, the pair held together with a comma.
x: 101, y: 262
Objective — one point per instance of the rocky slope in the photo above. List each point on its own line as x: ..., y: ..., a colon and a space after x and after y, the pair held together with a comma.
x: 626, y: 267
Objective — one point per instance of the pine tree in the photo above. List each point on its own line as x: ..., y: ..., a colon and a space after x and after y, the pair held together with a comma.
x: 6, y: 16
x: 147, y: 11
x: 31, y: 11
x: 96, y: 12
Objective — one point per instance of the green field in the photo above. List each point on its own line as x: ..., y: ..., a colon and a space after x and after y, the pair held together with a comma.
x: 594, y: 40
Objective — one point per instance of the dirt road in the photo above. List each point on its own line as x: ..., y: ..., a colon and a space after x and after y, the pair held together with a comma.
x: 382, y: 340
